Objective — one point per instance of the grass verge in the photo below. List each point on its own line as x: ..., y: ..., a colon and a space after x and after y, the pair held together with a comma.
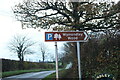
x: 11, y: 73
x: 62, y: 74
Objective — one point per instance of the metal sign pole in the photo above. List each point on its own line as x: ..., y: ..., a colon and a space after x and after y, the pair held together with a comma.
x: 56, y: 59
x: 78, y: 54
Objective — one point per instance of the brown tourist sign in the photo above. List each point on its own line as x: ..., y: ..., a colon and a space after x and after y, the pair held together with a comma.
x: 76, y: 36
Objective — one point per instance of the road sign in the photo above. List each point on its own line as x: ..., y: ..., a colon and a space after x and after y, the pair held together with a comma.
x: 80, y: 36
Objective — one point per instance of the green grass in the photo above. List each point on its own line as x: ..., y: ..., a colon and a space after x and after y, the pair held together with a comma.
x: 53, y: 75
x: 0, y: 74
x: 11, y: 73
x: 50, y: 77
x: 62, y: 74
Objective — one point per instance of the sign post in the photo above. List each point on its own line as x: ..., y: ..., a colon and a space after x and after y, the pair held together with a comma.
x: 76, y: 36
x: 56, y: 60
x: 79, y: 65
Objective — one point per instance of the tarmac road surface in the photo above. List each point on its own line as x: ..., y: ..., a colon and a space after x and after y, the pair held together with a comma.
x: 30, y: 76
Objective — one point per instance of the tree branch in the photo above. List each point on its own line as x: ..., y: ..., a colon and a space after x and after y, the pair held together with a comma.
x: 100, y: 17
x: 48, y: 15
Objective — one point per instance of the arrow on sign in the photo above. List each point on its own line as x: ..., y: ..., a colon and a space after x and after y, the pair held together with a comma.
x: 86, y: 36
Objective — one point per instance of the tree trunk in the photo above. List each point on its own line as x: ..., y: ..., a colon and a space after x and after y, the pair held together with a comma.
x: 43, y: 56
x: 21, y: 59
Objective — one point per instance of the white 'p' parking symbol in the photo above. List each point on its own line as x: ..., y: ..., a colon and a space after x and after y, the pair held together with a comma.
x: 49, y: 36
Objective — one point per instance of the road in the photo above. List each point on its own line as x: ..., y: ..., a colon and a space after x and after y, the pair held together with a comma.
x: 34, y: 75
x: 69, y: 65
x: 30, y: 76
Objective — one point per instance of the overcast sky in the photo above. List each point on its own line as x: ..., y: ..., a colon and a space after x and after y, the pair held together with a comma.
x: 10, y: 27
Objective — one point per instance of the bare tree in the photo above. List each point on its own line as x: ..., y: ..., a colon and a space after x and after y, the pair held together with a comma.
x: 43, y: 50
x: 21, y: 45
